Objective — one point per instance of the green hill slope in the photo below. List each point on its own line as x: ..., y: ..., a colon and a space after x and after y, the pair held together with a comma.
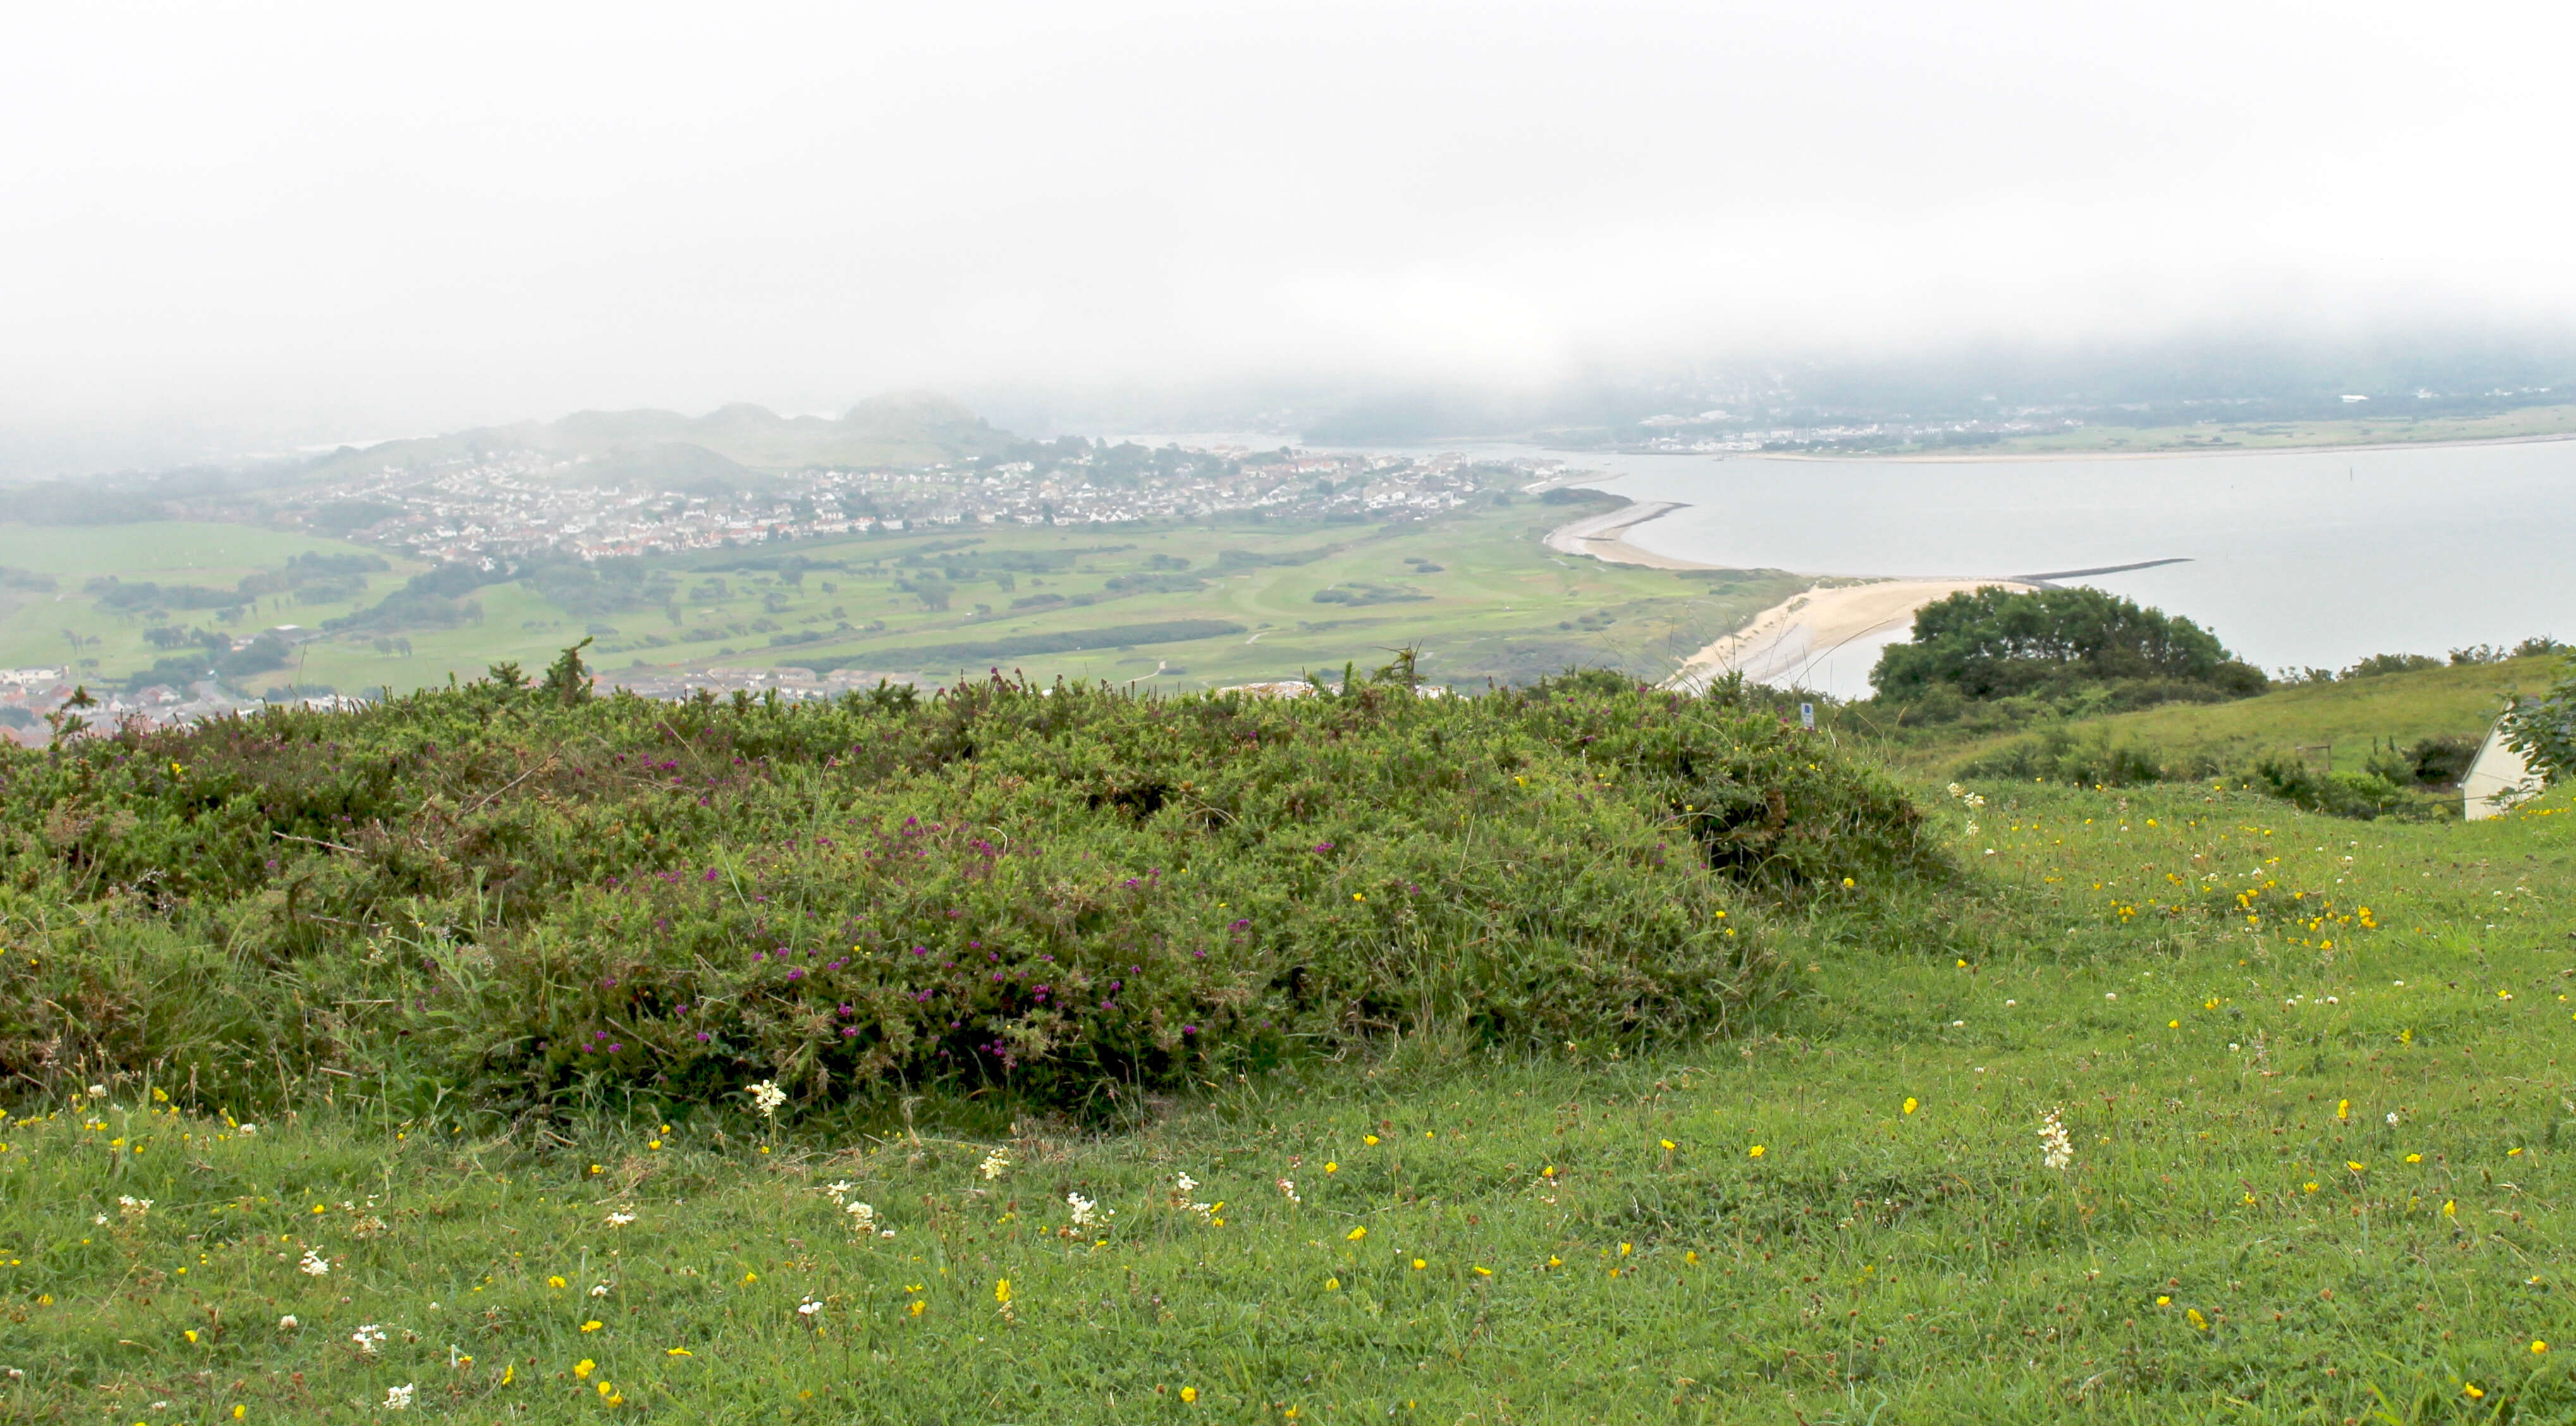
x: 2455, y: 702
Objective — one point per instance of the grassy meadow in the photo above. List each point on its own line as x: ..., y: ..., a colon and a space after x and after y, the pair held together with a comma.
x: 2307, y: 1073
x: 1474, y: 590
x: 2346, y: 716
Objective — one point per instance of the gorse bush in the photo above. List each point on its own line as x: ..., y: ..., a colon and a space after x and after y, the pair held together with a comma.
x: 2092, y: 759
x: 1070, y: 893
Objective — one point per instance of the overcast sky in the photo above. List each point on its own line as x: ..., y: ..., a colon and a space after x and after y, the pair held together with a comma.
x: 433, y: 213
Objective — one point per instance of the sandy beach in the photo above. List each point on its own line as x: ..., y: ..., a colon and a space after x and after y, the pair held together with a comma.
x: 1604, y: 537
x: 1784, y: 640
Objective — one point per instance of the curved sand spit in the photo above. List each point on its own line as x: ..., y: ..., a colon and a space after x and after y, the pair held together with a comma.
x: 1784, y: 640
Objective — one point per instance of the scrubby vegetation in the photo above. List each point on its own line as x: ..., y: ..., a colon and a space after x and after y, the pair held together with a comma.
x: 2304, y: 1076
x: 2052, y: 650
x: 1065, y: 894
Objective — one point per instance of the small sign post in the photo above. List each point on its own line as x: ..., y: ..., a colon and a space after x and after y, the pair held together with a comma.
x: 1807, y: 716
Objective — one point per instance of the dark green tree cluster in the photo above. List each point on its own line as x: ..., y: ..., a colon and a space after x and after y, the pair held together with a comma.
x: 1993, y: 643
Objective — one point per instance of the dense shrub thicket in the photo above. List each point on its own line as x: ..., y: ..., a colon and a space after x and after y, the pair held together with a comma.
x: 513, y: 892
x: 2076, y: 649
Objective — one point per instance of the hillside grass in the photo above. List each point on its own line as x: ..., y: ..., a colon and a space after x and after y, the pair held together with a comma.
x: 2458, y: 701
x: 1498, y: 605
x: 2316, y: 1176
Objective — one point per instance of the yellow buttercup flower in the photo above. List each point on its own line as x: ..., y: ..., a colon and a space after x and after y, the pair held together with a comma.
x: 592, y: 1325
x: 556, y: 1282
x: 1910, y: 1105
x: 584, y: 1368
x: 1669, y: 1145
x: 1368, y: 1138
x: 1355, y: 1234
x: 1332, y: 1284
x: 1755, y: 1152
x: 1419, y: 1265
x: 1189, y: 1394
x: 1002, y: 1291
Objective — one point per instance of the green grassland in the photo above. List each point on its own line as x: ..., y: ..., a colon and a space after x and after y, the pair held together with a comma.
x: 2349, y: 715
x: 1475, y: 590
x: 34, y: 625
x: 2315, y: 1177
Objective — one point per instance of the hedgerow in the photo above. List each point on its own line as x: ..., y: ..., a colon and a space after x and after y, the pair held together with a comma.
x: 516, y: 893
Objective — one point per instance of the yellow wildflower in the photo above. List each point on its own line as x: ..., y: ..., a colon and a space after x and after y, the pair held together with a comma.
x: 1189, y: 1394
x: 1755, y: 1152
x: 1002, y: 1291
x: 1355, y: 1234
x: 583, y: 1368
x: 591, y: 1326
x: 1910, y: 1105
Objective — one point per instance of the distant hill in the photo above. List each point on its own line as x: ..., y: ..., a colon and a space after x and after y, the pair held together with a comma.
x: 731, y: 444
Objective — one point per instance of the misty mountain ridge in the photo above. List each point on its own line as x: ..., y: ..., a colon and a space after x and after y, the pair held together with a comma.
x: 734, y: 442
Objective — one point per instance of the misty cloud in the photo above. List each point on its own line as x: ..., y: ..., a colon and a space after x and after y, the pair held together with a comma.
x: 382, y: 222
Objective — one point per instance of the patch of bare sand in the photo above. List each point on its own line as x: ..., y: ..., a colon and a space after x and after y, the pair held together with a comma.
x: 1784, y: 640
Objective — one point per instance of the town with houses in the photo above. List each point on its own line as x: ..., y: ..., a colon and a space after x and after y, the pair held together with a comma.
x: 501, y: 506
x: 496, y: 507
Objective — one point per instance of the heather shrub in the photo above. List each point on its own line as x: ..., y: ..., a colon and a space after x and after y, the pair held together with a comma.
x: 1069, y: 892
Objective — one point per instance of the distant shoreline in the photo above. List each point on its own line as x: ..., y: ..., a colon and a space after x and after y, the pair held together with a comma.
x: 2176, y: 453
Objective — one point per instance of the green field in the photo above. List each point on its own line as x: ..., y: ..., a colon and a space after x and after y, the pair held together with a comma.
x: 2314, y: 1178
x: 38, y: 628
x: 2348, y: 716
x: 1497, y: 604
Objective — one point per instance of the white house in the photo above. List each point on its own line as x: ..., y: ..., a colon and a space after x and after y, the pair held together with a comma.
x: 2498, y: 778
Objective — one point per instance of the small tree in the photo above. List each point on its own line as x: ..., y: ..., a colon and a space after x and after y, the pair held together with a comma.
x: 2543, y: 730
x: 567, y: 679
x: 66, y: 721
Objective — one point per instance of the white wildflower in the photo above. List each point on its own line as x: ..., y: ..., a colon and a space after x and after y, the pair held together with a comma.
x: 1288, y: 1190
x: 1185, y: 1183
x: 2392, y: 1118
x: 288, y: 1323
x: 133, y: 1208
x: 398, y: 1398
x: 863, y: 1217
x: 808, y: 1308
x: 2055, y: 1149
x: 249, y: 1130
x: 314, y: 1264
x: 766, y: 1096
x: 839, y: 1191
x: 885, y: 1232
x: 599, y: 1290
x: 369, y: 1337
x: 1086, y: 1213
x: 993, y: 1164
x: 620, y: 1219
x: 98, y: 1091
x: 98, y: 1220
